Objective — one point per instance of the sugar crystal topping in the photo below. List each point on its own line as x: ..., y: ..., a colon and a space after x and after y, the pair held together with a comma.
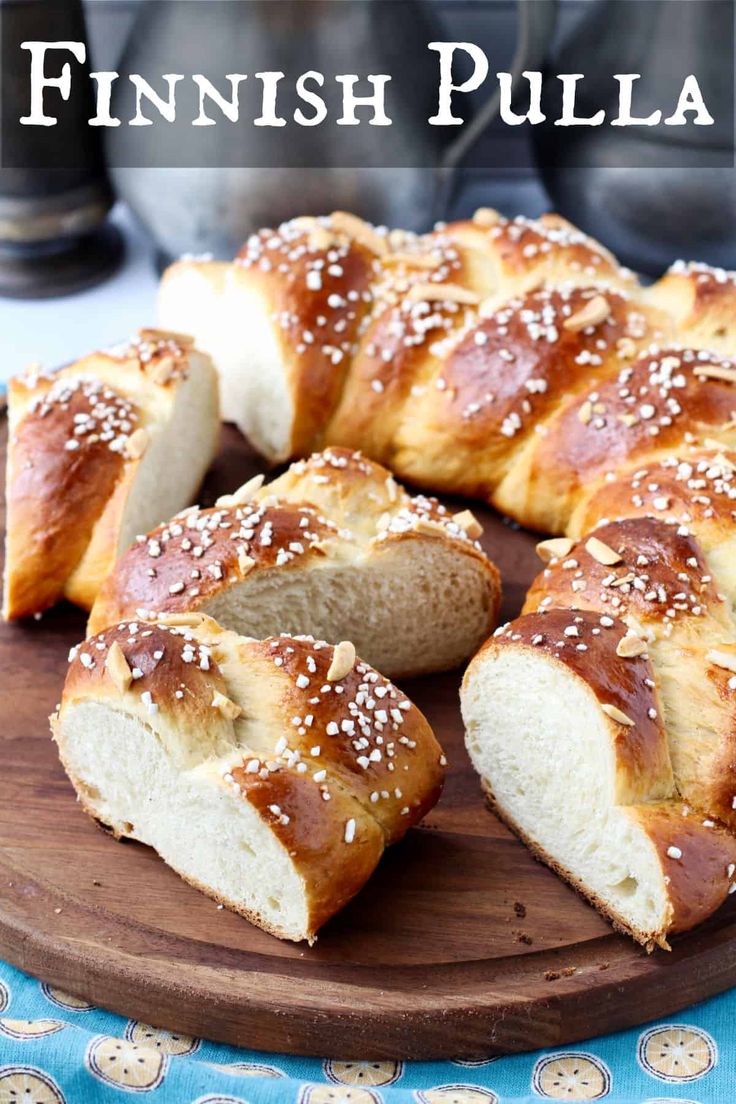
x: 686, y: 490
x: 704, y: 273
x: 659, y: 576
x: 654, y: 392
x: 97, y: 413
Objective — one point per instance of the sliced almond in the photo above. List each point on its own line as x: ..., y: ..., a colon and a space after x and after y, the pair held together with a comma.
x: 487, y: 307
x: 723, y: 657
x: 392, y: 488
x: 467, y: 520
x: 428, y: 527
x: 724, y: 461
x: 183, y: 618
x: 343, y: 661
x: 117, y: 667
x: 630, y: 646
x: 486, y: 216
x: 592, y: 313
x: 137, y: 444
x: 617, y: 714
x: 320, y: 239
x: 413, y: 260
x: 153, y: 334
x: 227, y: 707
x: 628, y: 420
x: 601, y: 552
x: 711, y: 443
x: 246, y: 563
x: 554, y: 549
x: 243, y: 494
x: 360, y: 231
x: 585, y: 413
x: 623, y: 580
x: 443, y: 293
x: 713, y: 371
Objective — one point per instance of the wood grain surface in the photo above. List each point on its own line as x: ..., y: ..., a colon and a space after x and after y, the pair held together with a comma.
x: 461, y: 945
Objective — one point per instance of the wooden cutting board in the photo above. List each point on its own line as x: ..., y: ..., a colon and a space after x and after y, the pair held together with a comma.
x: 461, y: 945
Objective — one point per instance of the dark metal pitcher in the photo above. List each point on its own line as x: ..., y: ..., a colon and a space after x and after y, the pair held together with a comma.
x: 212, y: 209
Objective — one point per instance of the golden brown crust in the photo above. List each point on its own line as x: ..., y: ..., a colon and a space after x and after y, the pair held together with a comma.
x: 359, y: 729
x: 418, y: 302
x: 318, y: 283
x: 65, y: 457
x: 419, y: 393
x: 530, y: 252
x: 507, y: 374
x: 334, y: 508
x: 181, y: 565
x: 323, y: 898
x: 98, y: 559
x: 666, y: 399
x: 702, y: 300
x: 699, y: 881
x: 382, y: 294
x: 695, y: 490
x: 653, y: 575
x: 721, y: 791
x: 333, y: 870
x: 173, y: 676
x: 658, y: 576
x: 697, y: 856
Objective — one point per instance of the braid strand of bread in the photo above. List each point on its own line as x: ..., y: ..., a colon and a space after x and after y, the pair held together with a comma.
x: 507, y: 359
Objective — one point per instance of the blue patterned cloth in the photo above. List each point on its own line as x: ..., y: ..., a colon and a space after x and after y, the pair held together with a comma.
x: 55, y: 1049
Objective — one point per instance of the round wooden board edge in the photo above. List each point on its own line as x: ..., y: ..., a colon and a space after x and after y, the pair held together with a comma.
x: 485, y: 1025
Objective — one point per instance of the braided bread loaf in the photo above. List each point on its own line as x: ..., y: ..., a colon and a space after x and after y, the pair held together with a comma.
x: 515, y: 361
x: 97, y: 452
x: 270, y: 774
x: 333, y: 548
x: 511, y: 360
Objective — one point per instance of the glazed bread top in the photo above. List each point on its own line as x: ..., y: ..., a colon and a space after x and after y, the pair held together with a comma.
x: 78, y: 443
x: 649, y: 570
x: 334, y: 507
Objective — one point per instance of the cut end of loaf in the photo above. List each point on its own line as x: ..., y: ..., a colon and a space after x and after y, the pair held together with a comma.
x: 550, y: 762
x: 196, y: 822
x: 270, y: 774
x: 335, y: 549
